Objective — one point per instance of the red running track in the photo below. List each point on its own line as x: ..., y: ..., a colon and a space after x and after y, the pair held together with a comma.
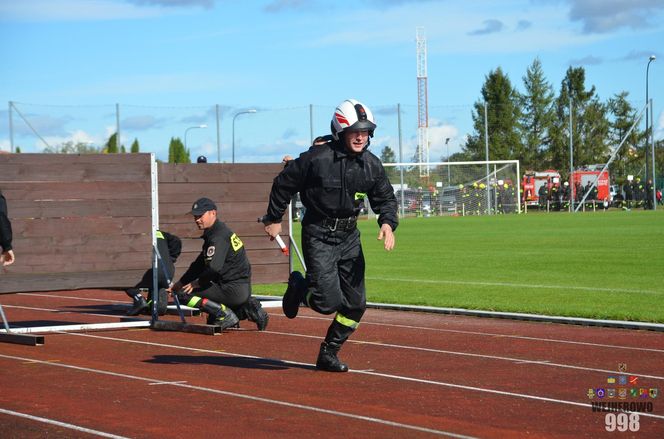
x: 412, y: 375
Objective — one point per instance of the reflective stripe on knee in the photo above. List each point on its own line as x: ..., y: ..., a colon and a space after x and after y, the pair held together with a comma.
x: 193, y: 302
x: 346, y: 321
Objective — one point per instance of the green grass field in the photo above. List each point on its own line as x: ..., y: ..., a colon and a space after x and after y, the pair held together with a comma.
x: 607, y: 265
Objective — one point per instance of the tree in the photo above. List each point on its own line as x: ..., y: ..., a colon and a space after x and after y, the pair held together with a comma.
x: 503, y: 114
x: 111, y: 146
x: 387, y: 155
x: 135, y: 147
x: 623, y: 116
x: 18, y: 150
x: 537, y: 116
x: 177, y: 152
x: 72, y: 148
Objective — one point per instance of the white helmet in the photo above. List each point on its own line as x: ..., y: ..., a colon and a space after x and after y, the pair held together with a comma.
x: 352, y: 115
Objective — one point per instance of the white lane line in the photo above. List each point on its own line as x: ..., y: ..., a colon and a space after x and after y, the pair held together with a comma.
x: 366, y: 322
x: 511, y: 359
x: 53, y: 296
x: 61, y: 424
x: 250, y: 397
x: 491, y: 334
x: 515, y: 285
x: 165, y: 383
x: 396, y: 377
x: 468, y: 354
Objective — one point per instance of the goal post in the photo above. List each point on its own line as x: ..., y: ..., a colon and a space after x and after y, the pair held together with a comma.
x: 456, y: 188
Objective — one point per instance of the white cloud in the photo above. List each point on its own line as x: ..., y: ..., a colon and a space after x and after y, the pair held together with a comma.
x: 600, y: 16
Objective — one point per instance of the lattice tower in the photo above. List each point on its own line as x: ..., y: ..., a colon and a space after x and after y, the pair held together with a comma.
x: 422, y: 103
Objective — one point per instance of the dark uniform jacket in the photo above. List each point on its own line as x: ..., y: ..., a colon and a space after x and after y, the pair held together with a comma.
x: 5, y: 226
x: 223, y: 259
x: 331, y: 181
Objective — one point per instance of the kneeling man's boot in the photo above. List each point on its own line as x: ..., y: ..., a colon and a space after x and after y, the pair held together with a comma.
x: 219, y: 315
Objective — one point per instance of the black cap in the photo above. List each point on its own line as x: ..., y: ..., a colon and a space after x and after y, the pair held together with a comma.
x: 202, y: 205
x: 201, y: 159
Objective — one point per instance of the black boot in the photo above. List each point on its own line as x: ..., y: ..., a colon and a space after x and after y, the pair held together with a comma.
x: 219, y: 315
x: 255, y: 313
x: 293, y: 295
x: 327, y: 358
x: 140, y: 305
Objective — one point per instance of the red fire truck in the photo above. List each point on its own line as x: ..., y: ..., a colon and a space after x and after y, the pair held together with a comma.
x: 589, y: 174
x: 533, y: 181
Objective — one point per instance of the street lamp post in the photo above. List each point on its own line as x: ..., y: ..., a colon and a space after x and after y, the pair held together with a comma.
x: 191, y: 128
x: 654, y: 201
x: 447, y: 144
x: 236, y: 115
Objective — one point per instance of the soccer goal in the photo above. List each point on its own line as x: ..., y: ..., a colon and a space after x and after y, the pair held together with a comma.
x: 456, y: 188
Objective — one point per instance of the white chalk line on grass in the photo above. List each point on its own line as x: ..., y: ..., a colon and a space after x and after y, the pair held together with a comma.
x: 515, y: 285
x: 395, y: 377
x: 60, y: 424
x: 244, y: 396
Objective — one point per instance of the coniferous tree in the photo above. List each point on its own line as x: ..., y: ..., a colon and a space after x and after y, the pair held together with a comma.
x: 537, y: 117
x: 590, y: 125
x: 623, y: 116
x: 177, y: 152
x: 111, y: 146
x: 387, y: 155
x: 503, y: 115
x: 135, y: 147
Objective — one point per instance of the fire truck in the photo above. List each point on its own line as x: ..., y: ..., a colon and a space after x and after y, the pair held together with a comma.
x: 589, y: 174
x: 533, y: 181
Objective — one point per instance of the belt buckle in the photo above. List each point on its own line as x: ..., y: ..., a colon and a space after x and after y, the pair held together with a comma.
x: 336, y: 223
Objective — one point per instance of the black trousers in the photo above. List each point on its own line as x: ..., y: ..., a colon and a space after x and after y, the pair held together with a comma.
x: 335, y: 277
x: 146, y: 280
x: 232, y: 294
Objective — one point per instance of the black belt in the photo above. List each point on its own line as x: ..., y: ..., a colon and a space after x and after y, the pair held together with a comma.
x: 339, y: 223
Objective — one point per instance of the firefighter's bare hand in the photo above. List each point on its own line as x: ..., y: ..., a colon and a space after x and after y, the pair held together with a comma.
x: 7, y: 257
x: 387, y: 235
x: 191, y: 286
x: 273, y: 229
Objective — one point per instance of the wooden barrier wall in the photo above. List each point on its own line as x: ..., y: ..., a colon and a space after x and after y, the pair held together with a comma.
x: 83, y: 221
x: 79, y: 221
x: 240, y: 192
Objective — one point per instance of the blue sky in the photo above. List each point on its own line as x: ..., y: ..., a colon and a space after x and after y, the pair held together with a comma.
x: 169, y: 63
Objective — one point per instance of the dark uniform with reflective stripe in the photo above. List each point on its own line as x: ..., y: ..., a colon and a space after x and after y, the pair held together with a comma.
x: 222, y: 269
x: 5, y: 226
x: 332, y: 183
x: 169, y: 247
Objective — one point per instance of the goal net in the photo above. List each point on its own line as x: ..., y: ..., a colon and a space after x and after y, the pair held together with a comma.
x: 456, y: 188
